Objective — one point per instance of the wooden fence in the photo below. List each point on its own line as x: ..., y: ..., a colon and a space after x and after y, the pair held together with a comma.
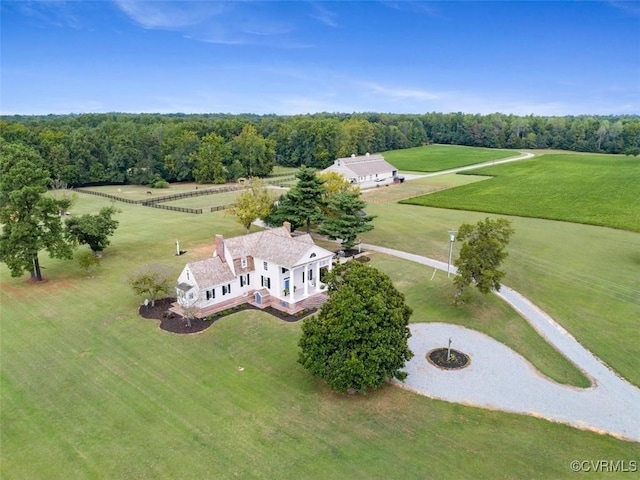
x: 108, y: 195
x: 193, y: 193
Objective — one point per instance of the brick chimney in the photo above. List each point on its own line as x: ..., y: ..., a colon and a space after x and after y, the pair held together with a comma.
x: 220, y: 247
x: 287, y: 226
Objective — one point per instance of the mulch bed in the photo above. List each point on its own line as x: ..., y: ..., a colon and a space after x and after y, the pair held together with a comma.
x: 438, y: 357
x: 170, y: 322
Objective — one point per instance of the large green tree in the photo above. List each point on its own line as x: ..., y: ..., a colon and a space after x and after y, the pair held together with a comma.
x: 346, y: 218
x: 93, y: 230
x: 31, y: 219
x: 481, y: 254
x: 303, y: 204
x: 254, y: 152
x: 358, y: 341
x: 253, y: 203
x: 210, y: 159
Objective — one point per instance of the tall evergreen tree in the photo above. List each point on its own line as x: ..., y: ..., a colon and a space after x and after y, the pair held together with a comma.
x: 31, y: 220
x: 303, y: 204
x: 346, y: 218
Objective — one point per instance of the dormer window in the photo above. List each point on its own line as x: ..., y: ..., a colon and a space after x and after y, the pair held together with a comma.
x: 243, y: 262
x: 188, y: 275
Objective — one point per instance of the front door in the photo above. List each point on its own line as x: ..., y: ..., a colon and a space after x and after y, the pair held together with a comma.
x: 258, y: 298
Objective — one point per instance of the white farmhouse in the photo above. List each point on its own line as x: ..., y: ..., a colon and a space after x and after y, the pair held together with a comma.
x: 267, y: 268
x: 365, y: 170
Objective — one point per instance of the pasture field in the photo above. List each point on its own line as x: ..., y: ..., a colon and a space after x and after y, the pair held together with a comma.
x: 91, y: 390
x: 205, y: 201
x: 215, y: 200
x: 434, y: 158
x: 592, y: 189
x: 139, y: 192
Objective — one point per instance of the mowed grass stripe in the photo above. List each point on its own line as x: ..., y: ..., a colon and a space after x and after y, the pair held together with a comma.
x: 598, y: 190
x: 435, y: 158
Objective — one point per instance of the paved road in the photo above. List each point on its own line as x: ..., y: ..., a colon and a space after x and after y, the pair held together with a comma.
x: 501, y: 379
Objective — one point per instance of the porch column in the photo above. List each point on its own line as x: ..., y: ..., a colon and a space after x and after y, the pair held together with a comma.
x: 316, y: 276
x: 306, y: 279
x: 292, y: 284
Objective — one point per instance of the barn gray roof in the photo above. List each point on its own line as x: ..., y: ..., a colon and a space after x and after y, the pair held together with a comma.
x: 361, y: 166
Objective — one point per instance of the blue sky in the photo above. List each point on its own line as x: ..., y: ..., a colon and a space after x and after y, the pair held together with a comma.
x: 528, y: 57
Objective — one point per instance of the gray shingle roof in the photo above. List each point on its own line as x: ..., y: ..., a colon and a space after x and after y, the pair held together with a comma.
x: 276, y: 245
x: 361, y: 166
x: 210, y: 272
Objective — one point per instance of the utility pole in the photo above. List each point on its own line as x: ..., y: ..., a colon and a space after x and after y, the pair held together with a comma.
x: 452, y: 239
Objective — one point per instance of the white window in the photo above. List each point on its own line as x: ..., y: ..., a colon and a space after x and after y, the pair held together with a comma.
x: 244, y: 280
x: 226, y: 289
x: 265, y: 281
x: 243, y: 262
x: 265, y: 266
x: 211, y: 294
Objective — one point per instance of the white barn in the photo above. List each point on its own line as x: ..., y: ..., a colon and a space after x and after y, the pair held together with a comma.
x: 367, y: 171
x: 268, y: 268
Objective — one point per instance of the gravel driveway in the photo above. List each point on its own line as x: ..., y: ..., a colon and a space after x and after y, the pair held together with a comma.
x: 499, y: 378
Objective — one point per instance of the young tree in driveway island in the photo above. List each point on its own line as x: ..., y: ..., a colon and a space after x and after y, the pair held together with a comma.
x: 31, y: 220
x: 482, y: 252
x: 346, y: 218
x: 358, y: 341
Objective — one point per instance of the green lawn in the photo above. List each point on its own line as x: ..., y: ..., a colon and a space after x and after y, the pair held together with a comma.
x: 434, y: 158
x: 91, y: 390
x: 431, y: 300
x: 593, y: 189
x: 585, y: 277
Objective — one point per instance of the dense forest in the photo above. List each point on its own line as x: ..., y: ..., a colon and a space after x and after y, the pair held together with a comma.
x: 153, y: 148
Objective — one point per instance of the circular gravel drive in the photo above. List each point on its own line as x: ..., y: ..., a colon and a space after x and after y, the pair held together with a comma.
x: 499, y: 378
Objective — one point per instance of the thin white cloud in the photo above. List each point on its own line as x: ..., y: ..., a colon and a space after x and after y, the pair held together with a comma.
x: 324, y: 15
x: 227, y: 23
x: 48, y: 12
x: 628, y: 6
x: 169, y: 15
x: 400, y: 92
x: 422, y: 8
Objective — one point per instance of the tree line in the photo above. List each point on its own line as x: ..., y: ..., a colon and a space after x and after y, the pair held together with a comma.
x: 151, y: 148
